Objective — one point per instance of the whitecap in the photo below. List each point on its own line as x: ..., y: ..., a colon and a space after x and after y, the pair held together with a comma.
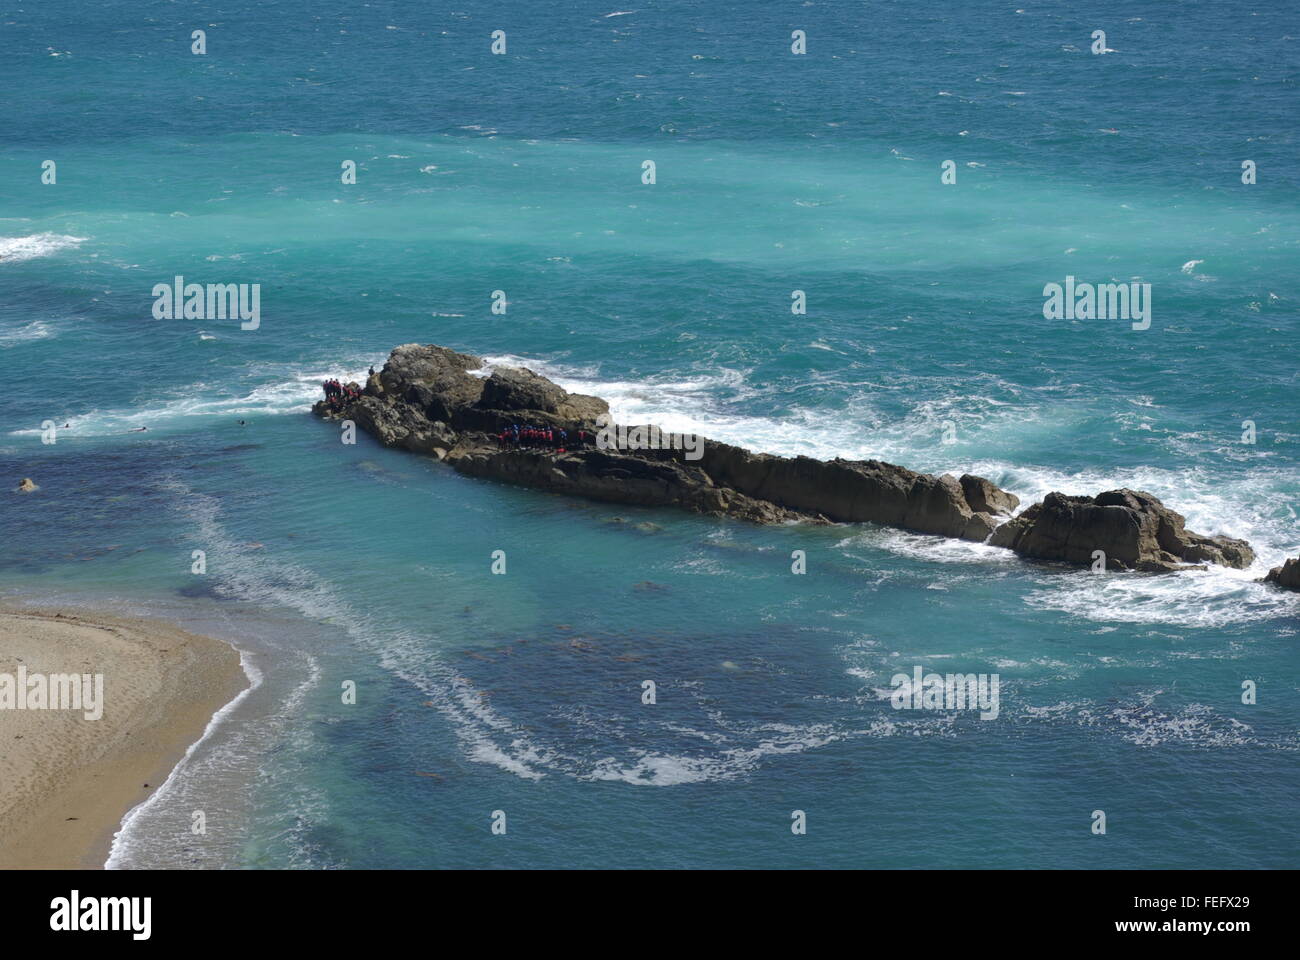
x: 16, y: 249
x: 36, y: 330
x: 294, y: 391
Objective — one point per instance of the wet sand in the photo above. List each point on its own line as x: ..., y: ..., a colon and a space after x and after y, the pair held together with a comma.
x: 66, y: 781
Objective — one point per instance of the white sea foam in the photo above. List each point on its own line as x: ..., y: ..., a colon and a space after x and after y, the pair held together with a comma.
x: 686, y: 405
x: 126, y: 837
x: 295, y: 393
x: 729, y: 748
x: 35, y: 330
x: 1145, y: 719
x: 1214, y: 597
x: 255, y: 576
x: 1141, y: 722
x: 757, y: 743
x: 856, y: 430
x: 214, y: 770
x: 15, y: 249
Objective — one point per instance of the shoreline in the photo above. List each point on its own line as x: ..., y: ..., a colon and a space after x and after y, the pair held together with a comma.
x: 67, y: 783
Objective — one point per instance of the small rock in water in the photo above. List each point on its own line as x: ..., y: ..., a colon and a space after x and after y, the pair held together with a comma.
x: 27, y: 486
x: 1287, y: 575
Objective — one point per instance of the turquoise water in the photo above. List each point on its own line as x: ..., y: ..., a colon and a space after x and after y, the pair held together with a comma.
x: 330, y: 563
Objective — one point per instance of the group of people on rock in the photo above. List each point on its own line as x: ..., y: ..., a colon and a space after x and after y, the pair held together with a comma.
x: 337, y: 394
x: 547, y: 438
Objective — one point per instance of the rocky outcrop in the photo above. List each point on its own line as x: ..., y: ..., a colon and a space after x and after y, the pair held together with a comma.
x: 859, y: 491
x: 984, y: 497
x: 432, y: 400
x: 27, y: 486
x: 619, y: 478
x: 1134, y: 531
x: 1287, y: 575
x: 429, y: 399
x: 425, y: 398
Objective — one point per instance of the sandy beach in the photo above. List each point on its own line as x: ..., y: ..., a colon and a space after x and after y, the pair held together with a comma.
x: 66, y: 781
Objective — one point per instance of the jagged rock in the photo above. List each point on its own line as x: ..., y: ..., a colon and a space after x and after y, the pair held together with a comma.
x: 850, y: 491
x: 27, y: 486
x: 520, y: 389
x: 1134, y: 530
x: 984, y: 497
x: 439, y: 371
x: 1287, y: 575
x: 511, y: 391
x: 399, y: 425
x: 433, y: 400
x: 616, y: 478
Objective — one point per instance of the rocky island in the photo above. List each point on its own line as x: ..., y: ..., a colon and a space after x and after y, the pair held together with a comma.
x: 432, y: 400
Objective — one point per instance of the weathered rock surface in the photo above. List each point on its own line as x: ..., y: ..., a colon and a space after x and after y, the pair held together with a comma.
x: 27, y: 486
x: 854, y: 491
x: 429, y: 399
x: 1134, y: 530
x: 984, y: 497
x: 1287, y: 575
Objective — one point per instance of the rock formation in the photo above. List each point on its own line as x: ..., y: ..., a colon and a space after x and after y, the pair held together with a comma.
x: 1287, y: 575
x: 429, y: 399
x: 27, y: 486
x: 1133, y: 529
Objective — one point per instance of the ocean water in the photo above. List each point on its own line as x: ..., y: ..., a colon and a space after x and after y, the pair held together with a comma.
x: 329, y: 563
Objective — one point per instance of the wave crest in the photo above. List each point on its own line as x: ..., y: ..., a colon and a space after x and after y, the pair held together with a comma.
x: 16, y: 249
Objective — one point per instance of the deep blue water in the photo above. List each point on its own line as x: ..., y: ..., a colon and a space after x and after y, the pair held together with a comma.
x: 330, y: 563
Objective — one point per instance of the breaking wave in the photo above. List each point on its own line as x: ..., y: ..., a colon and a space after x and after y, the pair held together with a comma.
x: 17, y: 249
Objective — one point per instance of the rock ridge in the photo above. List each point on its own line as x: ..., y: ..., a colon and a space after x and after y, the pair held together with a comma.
x: 437, y: 401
